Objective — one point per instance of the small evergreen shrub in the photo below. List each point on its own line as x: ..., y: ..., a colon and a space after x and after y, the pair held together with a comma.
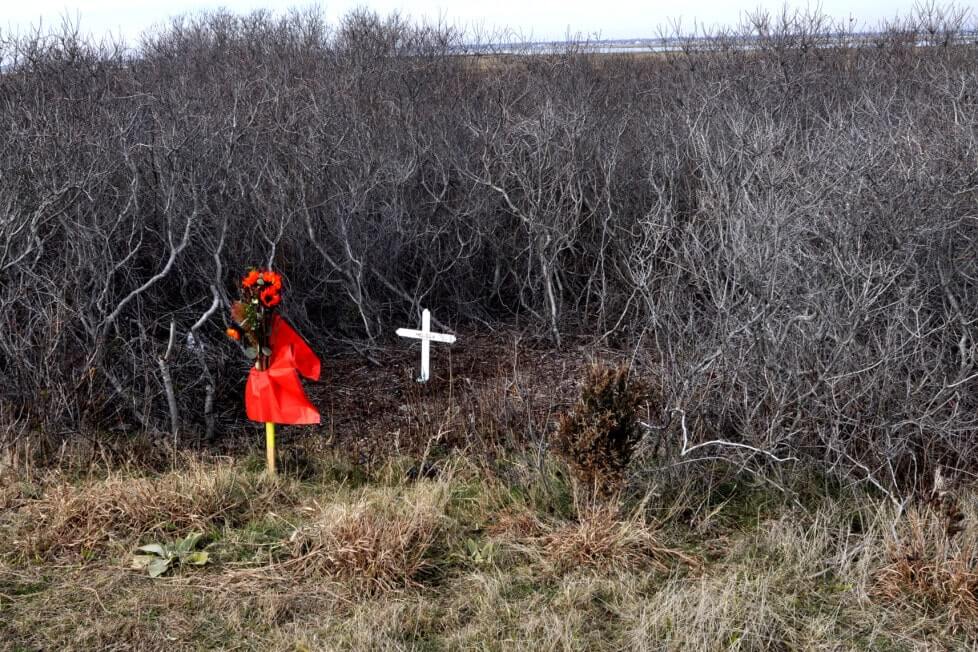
x: 598, y: 435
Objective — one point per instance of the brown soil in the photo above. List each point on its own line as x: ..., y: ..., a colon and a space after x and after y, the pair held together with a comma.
x: 505, y: 381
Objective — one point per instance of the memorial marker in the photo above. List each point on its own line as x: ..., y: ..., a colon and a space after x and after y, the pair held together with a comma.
x: 426, y: 337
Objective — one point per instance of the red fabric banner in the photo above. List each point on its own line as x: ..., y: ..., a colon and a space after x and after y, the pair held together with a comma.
x: 285, y: 341
x: 275, y: 395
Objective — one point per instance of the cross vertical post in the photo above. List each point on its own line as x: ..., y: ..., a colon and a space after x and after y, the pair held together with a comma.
x: 425, y: 345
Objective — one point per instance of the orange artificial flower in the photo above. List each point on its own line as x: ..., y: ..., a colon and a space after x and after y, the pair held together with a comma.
x: 250, y: 280
x: 233, y: 334
x: 270, y: 297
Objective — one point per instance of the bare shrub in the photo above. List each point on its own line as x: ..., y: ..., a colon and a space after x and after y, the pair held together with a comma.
x: 779, y: 214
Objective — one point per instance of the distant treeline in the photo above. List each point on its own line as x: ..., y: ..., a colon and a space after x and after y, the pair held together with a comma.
x: 787, y: 234
x: 736, y: 39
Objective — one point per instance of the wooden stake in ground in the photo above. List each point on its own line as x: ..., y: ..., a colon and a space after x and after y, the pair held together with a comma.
x: 270, y: 447
x: 426, y: 337
x: 269, y: 439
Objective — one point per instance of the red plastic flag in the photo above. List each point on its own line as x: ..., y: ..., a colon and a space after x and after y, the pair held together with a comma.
x: 275, y: 395
x: 285, y: 341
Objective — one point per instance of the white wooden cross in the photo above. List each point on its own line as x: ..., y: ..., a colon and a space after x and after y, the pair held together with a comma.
x: 426, y: 337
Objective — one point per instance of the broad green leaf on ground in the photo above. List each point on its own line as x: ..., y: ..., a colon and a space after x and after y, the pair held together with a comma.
x: 158, y: 566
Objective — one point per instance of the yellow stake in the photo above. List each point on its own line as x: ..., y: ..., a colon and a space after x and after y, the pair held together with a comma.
x: 270, y: 447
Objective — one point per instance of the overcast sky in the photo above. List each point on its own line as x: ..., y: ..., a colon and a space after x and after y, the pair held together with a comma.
x: 539, y: 19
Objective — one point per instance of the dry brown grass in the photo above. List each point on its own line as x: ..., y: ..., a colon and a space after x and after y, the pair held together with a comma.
x: 377, y: 543
x: 10, y: 495
x: 86, y: 518
x: 932, y: 565
x: 600, y: 540
x: 384, y: 564
x: 788, y: 584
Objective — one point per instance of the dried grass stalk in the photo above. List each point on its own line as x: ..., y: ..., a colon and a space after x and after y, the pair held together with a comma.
x: 74, y: 519
x: 372, y: 545
x: 932, y: 561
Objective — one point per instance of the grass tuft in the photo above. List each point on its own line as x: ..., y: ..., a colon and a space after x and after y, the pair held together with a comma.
x: 932, y: 564
x: 377, y: 543
x: 600, y: 540
x: 87, y: 519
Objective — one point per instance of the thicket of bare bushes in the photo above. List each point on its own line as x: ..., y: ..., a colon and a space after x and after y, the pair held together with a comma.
x: 787, y: 231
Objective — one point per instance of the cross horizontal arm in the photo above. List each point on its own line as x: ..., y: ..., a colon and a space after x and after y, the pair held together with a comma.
x: 421, y: 335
